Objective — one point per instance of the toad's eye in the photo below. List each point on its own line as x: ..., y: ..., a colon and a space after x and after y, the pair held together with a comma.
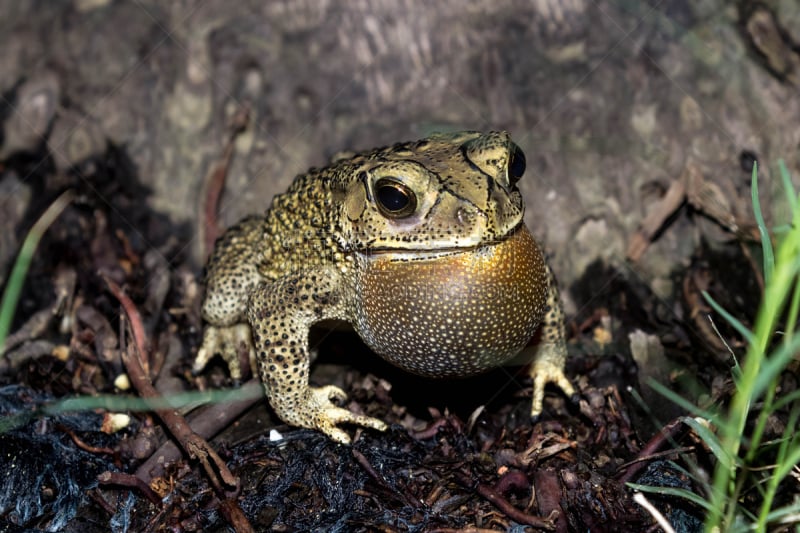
x: 395, y: 200
x: 516, y: 163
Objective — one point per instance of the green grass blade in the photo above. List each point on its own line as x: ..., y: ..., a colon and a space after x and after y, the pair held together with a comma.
x: 710, y: 440
x: 788, y: 188
x: 699, y: 480
x: 785, y: 460
x: 730, y: 319
x: 112, y: 402
x: 781, y: 229
x: 789, y: 514
x: 766, y: 242
x: 676, y: 492
x: 20, y: 270
x: 787, y: 463
x: 774, y: 365
x: 681, y: 401
x: 785, y: 399
x: 792, y: 313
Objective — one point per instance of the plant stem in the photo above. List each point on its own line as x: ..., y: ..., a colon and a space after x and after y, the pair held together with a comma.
x: 17, y: 277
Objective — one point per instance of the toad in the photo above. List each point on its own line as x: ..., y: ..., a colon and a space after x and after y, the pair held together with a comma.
x: 420, y: 246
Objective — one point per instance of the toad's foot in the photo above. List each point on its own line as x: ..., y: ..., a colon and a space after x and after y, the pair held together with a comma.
x: 548, y: 367
x: 317, y: 411
x: 233, y: 343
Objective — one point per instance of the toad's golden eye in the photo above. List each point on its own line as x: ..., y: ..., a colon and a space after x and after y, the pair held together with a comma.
x: 516, y: 163
x: 395, y: 200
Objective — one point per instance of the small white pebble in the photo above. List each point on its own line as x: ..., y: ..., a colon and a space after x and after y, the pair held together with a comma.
x: 61, y: 352
x: 122, y: 382
x: 113, y: 422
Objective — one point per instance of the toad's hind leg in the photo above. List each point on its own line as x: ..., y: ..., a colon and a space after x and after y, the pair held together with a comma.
x: 231, y: 275
x: 550, y: 355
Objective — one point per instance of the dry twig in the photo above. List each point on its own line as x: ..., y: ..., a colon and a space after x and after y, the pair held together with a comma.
x: 195, y: 446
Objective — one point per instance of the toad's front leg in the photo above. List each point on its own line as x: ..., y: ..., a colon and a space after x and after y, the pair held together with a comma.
x: 549, y: 356
x: 281, y: 314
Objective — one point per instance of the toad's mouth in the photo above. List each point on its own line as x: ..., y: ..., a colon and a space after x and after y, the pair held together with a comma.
x: 398, y: 253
